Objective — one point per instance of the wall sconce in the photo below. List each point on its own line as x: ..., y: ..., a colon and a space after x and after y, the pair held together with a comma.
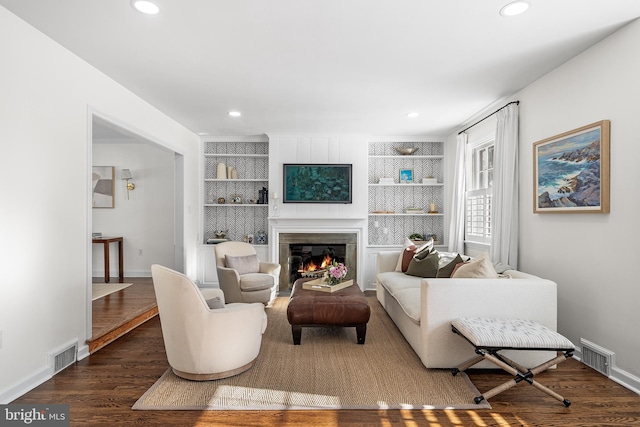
x: 126, y: 176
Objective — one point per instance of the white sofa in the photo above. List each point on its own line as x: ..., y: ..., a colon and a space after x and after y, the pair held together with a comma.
x: 423, y: 309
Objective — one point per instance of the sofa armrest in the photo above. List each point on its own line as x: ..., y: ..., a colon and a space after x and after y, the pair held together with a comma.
x: 443, y: 300
x: 386, y: 261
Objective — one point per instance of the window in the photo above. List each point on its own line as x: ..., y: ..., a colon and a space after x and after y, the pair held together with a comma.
x: 479, y: 192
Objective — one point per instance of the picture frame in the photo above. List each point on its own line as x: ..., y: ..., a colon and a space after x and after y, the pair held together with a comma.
x: 318, y: 183
x: 406, y: 176
x: 102, y: 185
x: 571, y: 171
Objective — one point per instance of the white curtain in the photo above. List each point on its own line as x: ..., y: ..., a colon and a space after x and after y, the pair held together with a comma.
x: 504, y: 220
x: 456, y: 227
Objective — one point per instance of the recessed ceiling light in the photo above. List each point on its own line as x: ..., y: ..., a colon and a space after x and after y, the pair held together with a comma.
x: 145, y: 7
x: 514, y: 8
x: 412, y: 114
x: 235, y: 113
x: 203, y: 133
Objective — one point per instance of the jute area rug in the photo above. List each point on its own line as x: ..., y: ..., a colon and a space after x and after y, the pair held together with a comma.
x: 327, y: 371
x: 99, y: 290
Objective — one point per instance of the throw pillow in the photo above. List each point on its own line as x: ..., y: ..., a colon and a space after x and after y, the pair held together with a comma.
x: 243, y: 264
x: 427, y: 267
x: 426, y: 246
x: 424, y: 250
x: 447, y: 270
x: 407, y: 254
x: 214, y: 303
x: 406, y: 244
x: 480, y: 267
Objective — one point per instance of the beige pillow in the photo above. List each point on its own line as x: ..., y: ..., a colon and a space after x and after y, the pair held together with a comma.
x: 243, y: 264
x: 480, y: 267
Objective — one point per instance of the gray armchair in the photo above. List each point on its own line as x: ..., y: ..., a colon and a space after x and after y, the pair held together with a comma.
x: 242, y: 277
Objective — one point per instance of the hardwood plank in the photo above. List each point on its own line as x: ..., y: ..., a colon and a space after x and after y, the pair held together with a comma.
x: 102, y: 388
x: 118, y: 313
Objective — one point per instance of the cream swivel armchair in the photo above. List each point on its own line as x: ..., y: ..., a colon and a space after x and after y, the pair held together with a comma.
x: 204, y: 343
x: 242, y: 277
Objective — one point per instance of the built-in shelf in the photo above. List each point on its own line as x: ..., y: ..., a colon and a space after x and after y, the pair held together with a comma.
x: 436, y: 157
x: 231, y: 181
x: 250, y: 159
x: 237, y: 205
x: 388, y: 223
x: 417, y: 184
x: 238, y: 156
x: 405, y: 214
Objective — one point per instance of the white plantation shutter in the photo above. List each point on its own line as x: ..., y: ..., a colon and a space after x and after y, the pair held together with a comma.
x: 478, y: 220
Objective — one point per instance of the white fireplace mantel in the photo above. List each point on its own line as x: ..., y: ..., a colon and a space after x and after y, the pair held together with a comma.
x: 278, y: 225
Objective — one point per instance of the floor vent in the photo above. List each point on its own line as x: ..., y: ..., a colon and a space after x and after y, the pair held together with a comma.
x: 63, y: 358
x: 597, y: 357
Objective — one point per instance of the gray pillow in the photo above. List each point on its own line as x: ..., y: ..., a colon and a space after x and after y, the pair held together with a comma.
x: 215, y: 302
x: 427, y: 267
x: 243, y: 264
x: 447, y: 270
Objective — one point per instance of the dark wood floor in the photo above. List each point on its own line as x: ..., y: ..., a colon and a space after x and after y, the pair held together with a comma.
x: 101, y: 389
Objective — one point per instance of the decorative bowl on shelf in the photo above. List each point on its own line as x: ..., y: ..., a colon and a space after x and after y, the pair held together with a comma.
x: 406, y: 151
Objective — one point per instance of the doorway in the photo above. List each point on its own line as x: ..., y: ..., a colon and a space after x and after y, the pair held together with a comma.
x: 148, y: 216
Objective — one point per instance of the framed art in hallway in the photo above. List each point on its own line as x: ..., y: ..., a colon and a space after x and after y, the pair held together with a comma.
x: 571, y: 171
x: 102, y: 185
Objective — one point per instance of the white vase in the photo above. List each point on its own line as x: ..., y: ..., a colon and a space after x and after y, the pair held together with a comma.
x: 222, y: 171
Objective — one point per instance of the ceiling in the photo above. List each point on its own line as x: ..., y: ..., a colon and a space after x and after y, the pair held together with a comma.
x: 325, y: 66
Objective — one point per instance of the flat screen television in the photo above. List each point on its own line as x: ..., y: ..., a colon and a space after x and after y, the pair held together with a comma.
x: 317, y: 183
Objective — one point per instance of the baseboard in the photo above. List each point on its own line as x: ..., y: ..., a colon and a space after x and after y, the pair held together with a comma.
x: 625, y: 379
x: 83, y: 351
x: 620, y: 376
x: 127, y: 273
x: 12, y: 393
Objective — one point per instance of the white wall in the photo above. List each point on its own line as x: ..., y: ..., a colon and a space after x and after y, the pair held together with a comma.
x: 47, y: 95
x: 590, y: 256
x: 146, y: 219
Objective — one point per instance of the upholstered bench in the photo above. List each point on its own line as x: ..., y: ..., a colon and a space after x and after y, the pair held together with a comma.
x: 347, y: 307
x: 489, y: 336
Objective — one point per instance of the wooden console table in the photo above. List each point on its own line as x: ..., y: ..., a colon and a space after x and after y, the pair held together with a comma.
x: 105, y: 241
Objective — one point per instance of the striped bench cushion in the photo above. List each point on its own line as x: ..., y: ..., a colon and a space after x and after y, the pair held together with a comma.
x: 510, y: 333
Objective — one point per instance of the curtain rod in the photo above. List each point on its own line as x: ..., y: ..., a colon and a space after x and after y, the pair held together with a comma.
x: 486, y: 117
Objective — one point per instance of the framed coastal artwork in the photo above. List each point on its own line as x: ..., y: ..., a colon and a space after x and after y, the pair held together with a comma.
x: 571, y: 171
x: 102, y: 185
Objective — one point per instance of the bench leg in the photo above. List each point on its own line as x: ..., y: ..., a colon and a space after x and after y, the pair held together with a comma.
x: 361, y: 332
x: 521, y: 375
x: 296, y: 332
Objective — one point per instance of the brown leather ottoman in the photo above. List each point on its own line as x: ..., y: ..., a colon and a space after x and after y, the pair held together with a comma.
x: 347, y: 307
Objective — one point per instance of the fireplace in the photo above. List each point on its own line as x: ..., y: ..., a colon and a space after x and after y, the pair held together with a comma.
x: 302, y: 254
x: 313, y: 260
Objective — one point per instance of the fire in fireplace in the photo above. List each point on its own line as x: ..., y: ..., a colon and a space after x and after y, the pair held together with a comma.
x: 312, y: 260
x: 296, y: 250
